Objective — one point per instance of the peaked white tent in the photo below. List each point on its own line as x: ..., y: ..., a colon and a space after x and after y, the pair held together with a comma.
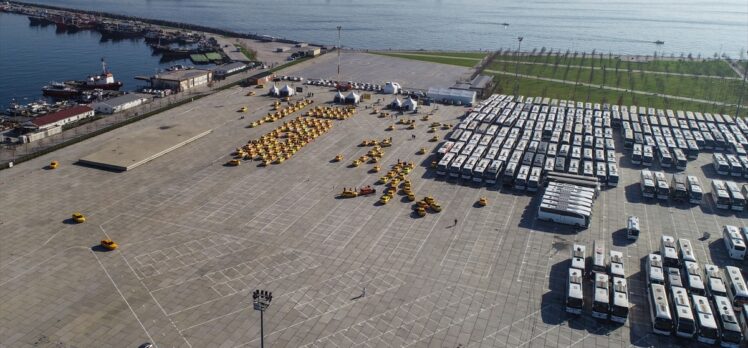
x: 353, y: 98
x: 396, y: 104
x: 274, y: 91
x: 287, y: 91
x: 410, y: 104
x: 339, y: 98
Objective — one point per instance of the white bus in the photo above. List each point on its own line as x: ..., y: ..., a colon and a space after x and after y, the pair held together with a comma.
x: 619, y: 307
x: 654, y: 270
x: 707, y: 329
x: 663, y: 186
x: 574, y: 292
x: 737, y: 201
x: 719, y: 194
x: 534, y: 181
x: 647, y: 155
x: 647, y: 183
x: 720, y: 164
x: 467, y: 168
x: 599, y: 262
x: 669, y: 252
x: 443, y: 166
x: 632, y: 227
x: 520, y: 181
x: 636, y: 154
x: 666, y: 159
x: 480, y: 169
x: 715, y: 282
x: 659, y: 310
x: 456, y: 166
x: 685, y: 325
x: 491, y: 175
x: 616, y: 268
x: 736, y: 288
x: 731, y: 333
x: 612, y: 174
x: 601, y: 300
x: 565, y: 213
x: 694, y: 282
x: 734, y: 242
x: 578, y: 257
x: 685, y: 250
x: 695, y: 192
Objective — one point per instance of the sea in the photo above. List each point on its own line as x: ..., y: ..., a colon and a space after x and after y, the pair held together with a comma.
x: 700, y: 27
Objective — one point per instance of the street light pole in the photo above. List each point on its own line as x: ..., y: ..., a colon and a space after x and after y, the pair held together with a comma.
x: 261, y: 301
x: 742, y: 89
x: 339, y: 48
x: 516, y: 67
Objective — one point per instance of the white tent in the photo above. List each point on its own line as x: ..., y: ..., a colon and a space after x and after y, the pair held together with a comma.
x: 274, y: 91
x: 396, y: 104
x: 410, y: 104
x: 352, y: 98
x: 339, y: 98
x: 391, y: 88
x: 287, y: 91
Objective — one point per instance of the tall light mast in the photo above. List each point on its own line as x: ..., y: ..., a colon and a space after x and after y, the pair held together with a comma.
x: 339, y: 48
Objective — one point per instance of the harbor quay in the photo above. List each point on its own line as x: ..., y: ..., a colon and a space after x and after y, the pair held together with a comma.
x: 196, y: 237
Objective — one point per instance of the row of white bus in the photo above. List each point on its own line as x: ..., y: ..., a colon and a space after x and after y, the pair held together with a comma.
x: 730, y: 165
x: 702, y: 304
x: 566, y: 203
x: 679, y: 187
x: 729, y: 195
x: 610, y: 299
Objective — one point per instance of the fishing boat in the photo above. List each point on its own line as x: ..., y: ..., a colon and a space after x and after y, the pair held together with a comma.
x: 60, y: 90
x: 103, y: 81
x: 659, y: 42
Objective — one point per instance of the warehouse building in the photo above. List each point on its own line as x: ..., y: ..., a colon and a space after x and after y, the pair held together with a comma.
x: 481, y: 85
x: 59, y: 118
x: 121, y: 103
x: 451, y: 96
x: 221, y: 71
x: 182, y: 80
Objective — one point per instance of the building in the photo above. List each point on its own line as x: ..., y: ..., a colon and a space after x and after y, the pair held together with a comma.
x: 313, y: 52
x: 221, y: 71
x: 182, y: 80
x: 452, y: 96
x: 121, y: 103
x: 259, y: 79
x: 481, y: 85
x: 59, y: 118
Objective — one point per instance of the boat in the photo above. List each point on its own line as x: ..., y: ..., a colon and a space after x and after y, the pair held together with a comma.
x: 104, y: 81
x: 38, y: 20
x: 659, y: 42
x: 60, y: 90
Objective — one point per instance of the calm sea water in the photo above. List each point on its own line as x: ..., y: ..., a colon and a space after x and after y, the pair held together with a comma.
x: 33, y: 56
x: 622, y: 26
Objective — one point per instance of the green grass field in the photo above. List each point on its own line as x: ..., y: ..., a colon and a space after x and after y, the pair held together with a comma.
x: 466, y: 59
x: 707, y: 88
x: 531, y: 87
x: 685, y: 66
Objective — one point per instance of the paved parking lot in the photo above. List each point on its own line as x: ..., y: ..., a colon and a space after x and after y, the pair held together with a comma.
x: 372, y: 68
x: 197, y: 237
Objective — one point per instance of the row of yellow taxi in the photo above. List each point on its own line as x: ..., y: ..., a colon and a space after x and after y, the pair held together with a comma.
x: 332, y: 112
x: 283, y: 142
x: 393, y: 178
x: 281, y: 113
x: 373, y: 156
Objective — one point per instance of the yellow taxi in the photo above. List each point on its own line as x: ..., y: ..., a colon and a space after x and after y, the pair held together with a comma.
x: 109, y: 244
x: 483, y: 201
x: 54, y: 165
x: 234, y: 162
x: 79, y: 218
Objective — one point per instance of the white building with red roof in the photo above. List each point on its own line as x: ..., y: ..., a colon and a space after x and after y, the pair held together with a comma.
x: 59, y: 118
